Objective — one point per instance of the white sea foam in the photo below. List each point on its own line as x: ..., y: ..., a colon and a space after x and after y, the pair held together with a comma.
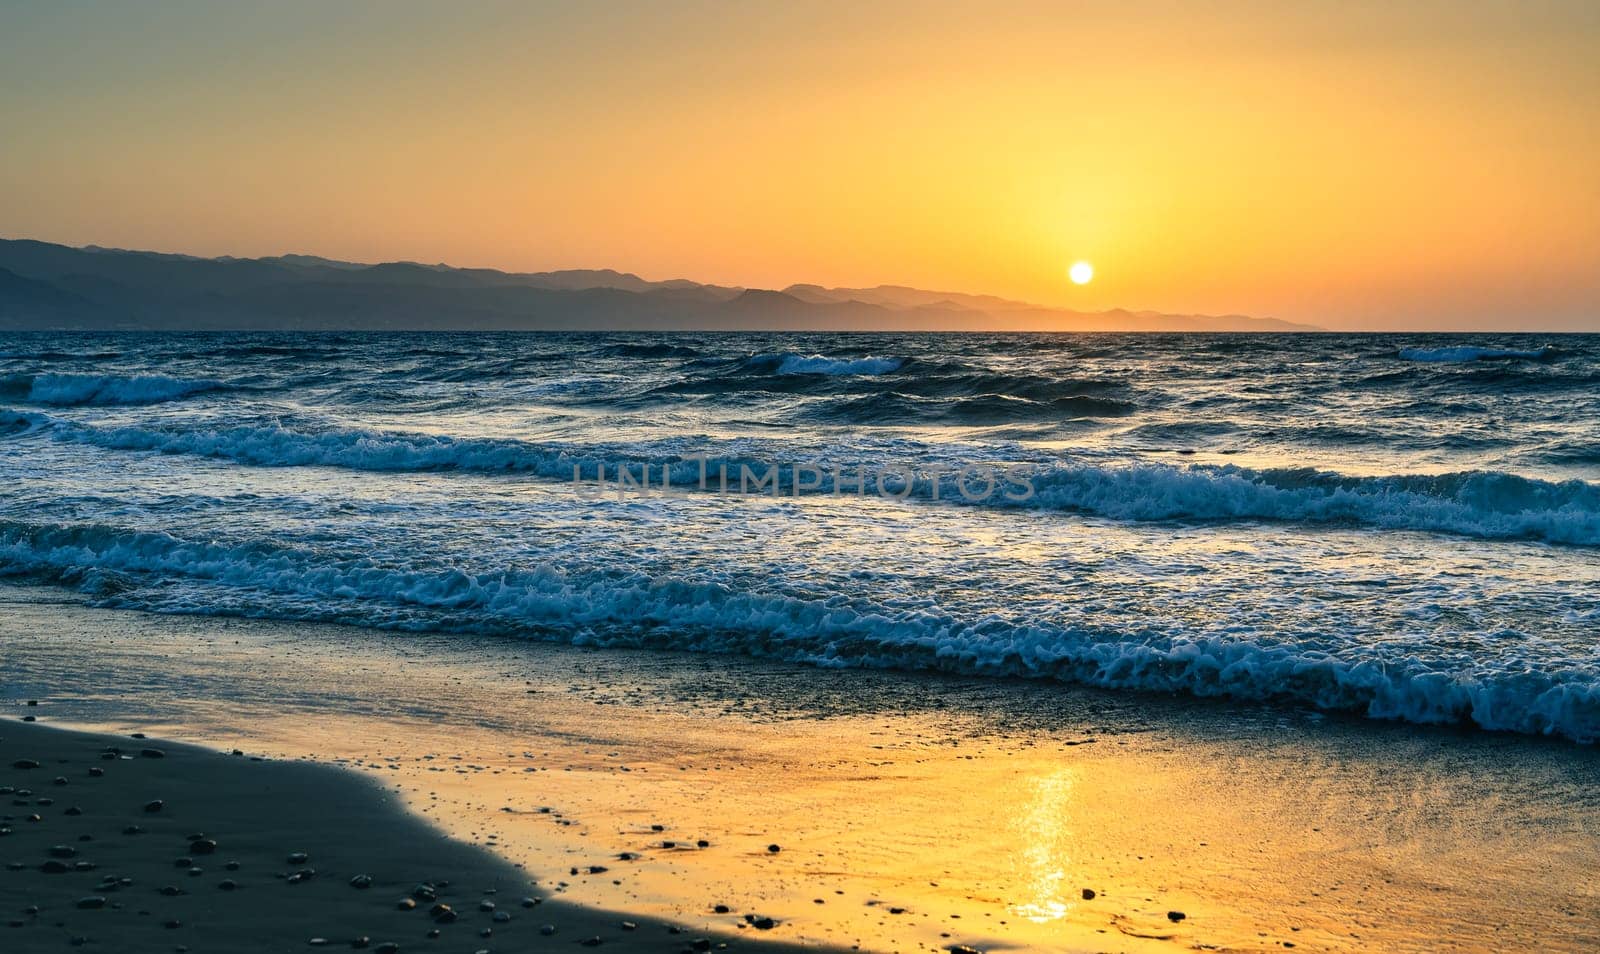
x: 818, y: 364
x: 1484, y: 504
x: 585, y: 607
x: 80, y: 389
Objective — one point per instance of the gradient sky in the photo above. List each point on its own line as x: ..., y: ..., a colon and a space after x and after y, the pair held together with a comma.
x: 1351, y: 164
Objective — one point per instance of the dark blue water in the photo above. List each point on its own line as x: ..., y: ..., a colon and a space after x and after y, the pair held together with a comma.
x: 1404, y: 526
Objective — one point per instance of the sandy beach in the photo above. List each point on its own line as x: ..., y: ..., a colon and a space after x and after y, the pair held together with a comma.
x: 116, y: 843
x: 909, y: 813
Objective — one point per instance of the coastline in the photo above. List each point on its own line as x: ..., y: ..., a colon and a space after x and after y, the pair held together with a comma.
x: 912, y: 811
x: 134, y: 844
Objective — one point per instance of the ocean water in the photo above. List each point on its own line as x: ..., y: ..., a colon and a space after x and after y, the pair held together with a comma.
x: 1404, y: 527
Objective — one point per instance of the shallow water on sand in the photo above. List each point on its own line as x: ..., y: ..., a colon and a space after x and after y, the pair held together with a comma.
x: 920, y: 810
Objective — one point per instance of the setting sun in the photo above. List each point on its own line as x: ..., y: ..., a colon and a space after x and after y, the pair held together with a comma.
x: 1081, y: 273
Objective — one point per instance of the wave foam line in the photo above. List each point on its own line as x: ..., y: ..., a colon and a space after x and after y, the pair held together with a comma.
x: 1485, y: 504
x: 82, y: 389
x: 564, y: 604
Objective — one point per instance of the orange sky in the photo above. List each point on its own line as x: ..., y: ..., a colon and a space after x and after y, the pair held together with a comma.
x: 1341, y: 163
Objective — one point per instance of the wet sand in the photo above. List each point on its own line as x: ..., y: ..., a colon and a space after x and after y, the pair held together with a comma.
x: 910, y: 812
x: 113, y: 843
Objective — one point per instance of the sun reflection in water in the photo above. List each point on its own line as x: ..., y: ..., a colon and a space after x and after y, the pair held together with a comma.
x: 1046, y: 856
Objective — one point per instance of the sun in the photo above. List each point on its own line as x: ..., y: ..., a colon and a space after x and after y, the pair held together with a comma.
x: 1081, y: 273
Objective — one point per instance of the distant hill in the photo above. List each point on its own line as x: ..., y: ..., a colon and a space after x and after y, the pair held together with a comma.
x: 43, y: 285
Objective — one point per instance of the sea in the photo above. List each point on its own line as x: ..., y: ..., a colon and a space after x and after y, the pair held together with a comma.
x: 1400, y: 527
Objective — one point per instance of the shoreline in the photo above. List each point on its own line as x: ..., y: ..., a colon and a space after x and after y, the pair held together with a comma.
x: 914, y: 811
x: 134, y: 844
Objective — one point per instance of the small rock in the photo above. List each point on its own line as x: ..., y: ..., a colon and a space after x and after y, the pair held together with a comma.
x: 153, y: 753
x: 1176, y: 916
x: 501, y: 917
x: 92, y: 902
x: 228, y: 884
x: 547, y: 929
x: 24, y: 764
x: 203, y: 846
x: 485, y: 905
x: 361, y: 881
x: 154, y: 806
x: 773, y: 849
x: 63, y: 851
x: 591, y: 942
x: 721, y: 909
x: 406, y: 904
x: 387, y: 947
x: 96, y: 772
x: 299, y: 858
x: 1088, y: 894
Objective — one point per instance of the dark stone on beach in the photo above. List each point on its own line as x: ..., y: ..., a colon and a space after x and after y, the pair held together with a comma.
x: 501, y: 917
x: 203, y: 846
x: 59, y: 780
x: 54, y: 867
x: 774, y: 849
x: 172, y: 923
x: 432, y: 932
x: 63, y: 851
x: 35, y: 818
x: 442, y: 913
x: 82, y: 866
x: 598, y: 869
x: 547, y: 929
x: 387, y: 947
x: 304, y: 874
x: 33, y: 702
x: 591, y: 942
x: 171, y: 891
x: 721, y: 909
x: 228, y: 884
x: 962, y: 949
x: 702, y: 843
x: 626, y: 856
x: 299, y: 858
x: 485, y: 905
x: 763, y: 924
x: 154, y: 806
x: 153, y: 753
x: 1088, y: 894
x: 361, y: 881
x: 406, y: 904
x: 133, y: 830
x: 529, y: 902
x: 96, y: 772
x: 360, y: 942
x: 1176, y: 916
x: 183, y: 863
x: 424, y: 892
x: 701, y: 943
x: 73, y: 810
x: 92, y: 902
x: 232, y: 866
x: 30, y: 718
x: 24, y: 764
